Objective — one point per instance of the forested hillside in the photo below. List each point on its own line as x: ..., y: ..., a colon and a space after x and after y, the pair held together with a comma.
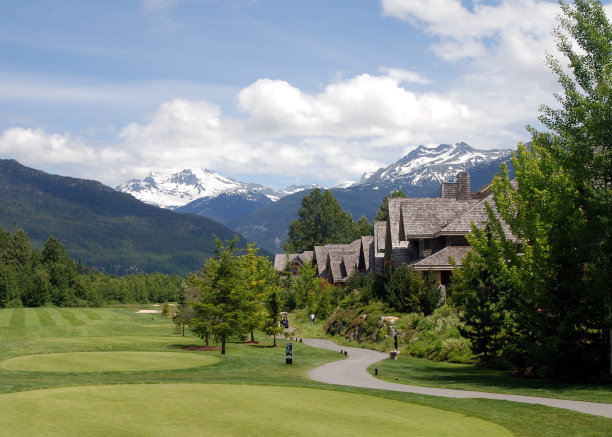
x: 101, y: 227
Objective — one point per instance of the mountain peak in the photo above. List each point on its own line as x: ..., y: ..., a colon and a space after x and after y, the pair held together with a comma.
x: 432, y: 165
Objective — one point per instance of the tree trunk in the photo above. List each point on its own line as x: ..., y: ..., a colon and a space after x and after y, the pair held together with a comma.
x: 183, y: 329
x: 223, y: 345
x: 252, y: 337
x: 274, y: 336
x: 207, y: 341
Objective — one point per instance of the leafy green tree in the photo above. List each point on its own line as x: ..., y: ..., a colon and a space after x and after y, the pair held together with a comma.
x: 259, y: 275
x: 272, y: 303
x: 383, y: 210
x: 223, y: 307
x: 560, y: 211
x: 580, y: 137
x: 38, y: 292
x: 321, y: 220
x: 305, y: 286
x: 323, y: 305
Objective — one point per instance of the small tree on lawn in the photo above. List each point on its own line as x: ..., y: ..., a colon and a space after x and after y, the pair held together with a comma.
x: 223, y: 307
x: 165, y: 309
x: 273, y: 306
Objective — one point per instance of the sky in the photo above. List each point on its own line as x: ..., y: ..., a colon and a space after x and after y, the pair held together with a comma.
x: 277, y: 92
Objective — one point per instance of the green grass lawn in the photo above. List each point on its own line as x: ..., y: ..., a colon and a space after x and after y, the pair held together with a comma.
x: 423, y: 372
x: 225, y: 410
x: 175, y: 397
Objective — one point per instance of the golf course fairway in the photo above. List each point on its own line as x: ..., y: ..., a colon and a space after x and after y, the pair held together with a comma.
x: 225, y: 410
x: 107, y: 361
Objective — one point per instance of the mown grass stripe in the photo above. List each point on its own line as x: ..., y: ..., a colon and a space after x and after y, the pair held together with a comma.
x: 90, y: 314
x: 17, y: 318
x: 56, y: 316
x: 5, y: 317
x: 71, y: 318
x: 31, y: 317
x: 44, y: 318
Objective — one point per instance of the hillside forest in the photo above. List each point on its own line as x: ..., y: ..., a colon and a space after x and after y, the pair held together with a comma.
x: 34, y: 278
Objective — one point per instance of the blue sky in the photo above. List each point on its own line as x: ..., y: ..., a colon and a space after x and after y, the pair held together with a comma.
x: 270, y: 91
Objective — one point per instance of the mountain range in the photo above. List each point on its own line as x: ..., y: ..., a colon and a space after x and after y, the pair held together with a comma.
x: 263, y: 214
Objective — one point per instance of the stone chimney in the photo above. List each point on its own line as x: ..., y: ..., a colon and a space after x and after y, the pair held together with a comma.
x: 449, y: 190
x: 464, y: 190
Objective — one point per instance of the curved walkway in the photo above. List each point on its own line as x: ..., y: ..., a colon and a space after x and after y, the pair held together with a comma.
x: 353, y: 372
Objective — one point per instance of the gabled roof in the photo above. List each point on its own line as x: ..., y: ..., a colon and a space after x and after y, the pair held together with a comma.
x: 282, y: 259
x: 477, y: 214
x: 305, y: 257
x: 320, y: 256
x: 439, y: 260
x: 423, y: 218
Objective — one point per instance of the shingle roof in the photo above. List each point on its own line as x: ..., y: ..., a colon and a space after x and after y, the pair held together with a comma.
x: 306, y: 256
x: 439, y: 260
x: 366, y: 252
x: 422, y: 218
x: 282, y: 259
x: 477, y: 214
x: 380, y: 231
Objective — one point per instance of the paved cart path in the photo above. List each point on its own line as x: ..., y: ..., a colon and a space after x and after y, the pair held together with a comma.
x: 353, y: 372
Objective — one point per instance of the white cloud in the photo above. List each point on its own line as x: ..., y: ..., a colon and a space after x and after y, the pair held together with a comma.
x: 363, y: 106
x: 404, y: 75
x: 42, y: 148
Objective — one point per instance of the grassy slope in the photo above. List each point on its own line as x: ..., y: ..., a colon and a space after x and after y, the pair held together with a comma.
x: 35, y: 331
x: 230, y: 410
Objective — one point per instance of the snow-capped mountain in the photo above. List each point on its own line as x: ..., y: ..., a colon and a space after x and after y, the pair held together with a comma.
x: 178, y: 189
x: 292, y: 189
x: 431, y: 166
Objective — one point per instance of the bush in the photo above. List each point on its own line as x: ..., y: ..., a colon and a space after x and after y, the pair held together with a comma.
x: 437, y: 336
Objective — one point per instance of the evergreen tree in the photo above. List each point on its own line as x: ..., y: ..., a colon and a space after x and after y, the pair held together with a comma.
x: 383, y: 210
x: 271, y: 325
x: 222, y: 307
x: 321, y: 220
x: 404, y: 289
x: 364, y: 227
x: 484, y: 289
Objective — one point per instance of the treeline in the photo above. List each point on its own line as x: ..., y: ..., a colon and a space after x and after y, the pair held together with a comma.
x: 34, y: 278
